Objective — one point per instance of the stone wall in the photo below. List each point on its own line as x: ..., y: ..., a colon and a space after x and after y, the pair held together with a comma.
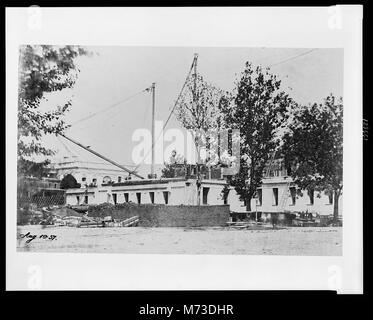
x: 157, y: 215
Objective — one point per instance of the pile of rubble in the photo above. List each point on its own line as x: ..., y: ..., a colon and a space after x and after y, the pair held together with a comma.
x: 66, y: 216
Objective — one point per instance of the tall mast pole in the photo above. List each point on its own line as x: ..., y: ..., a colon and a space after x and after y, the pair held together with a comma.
x: 197, y: 137
x: 195, y: 76
x: 152, y: 172
x: 195, y: 100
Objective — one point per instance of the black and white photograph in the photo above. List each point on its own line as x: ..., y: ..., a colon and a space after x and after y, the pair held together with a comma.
x: 105, y: 167
x: 126, y: 149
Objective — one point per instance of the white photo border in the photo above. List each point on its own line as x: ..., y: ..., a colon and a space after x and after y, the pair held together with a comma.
x: 290, y: 27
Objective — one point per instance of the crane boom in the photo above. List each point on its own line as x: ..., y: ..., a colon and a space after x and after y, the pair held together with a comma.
x: 102, y: 157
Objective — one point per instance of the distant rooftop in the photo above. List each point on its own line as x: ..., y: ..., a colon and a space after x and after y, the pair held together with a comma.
x: 145, y: 181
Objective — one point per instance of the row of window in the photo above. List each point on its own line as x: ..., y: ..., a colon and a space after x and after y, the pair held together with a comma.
x: 165, y: 196
x: 293, y: 196
x: 205, y: 191
x: 84, y: 202
x: 105, y: 179
x: 126, y: 197
x: 139, y: 197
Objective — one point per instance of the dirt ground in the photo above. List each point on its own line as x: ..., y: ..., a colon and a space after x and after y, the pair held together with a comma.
x: 313, y: 241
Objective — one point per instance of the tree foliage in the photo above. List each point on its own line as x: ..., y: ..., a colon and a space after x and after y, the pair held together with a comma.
x: 198, y: 111
x: 43, y: 69
x: 169, y: 167
x: 259, y: 109
x: 31, y: 168
x: 198, y: 106
x: 168, y: 171
x: 313, y: 147
x: 225, y: 193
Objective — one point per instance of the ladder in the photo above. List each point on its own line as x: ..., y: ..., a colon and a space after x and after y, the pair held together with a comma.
x: 284, y: 197
x: 285, y: 194
x: 130, y: 222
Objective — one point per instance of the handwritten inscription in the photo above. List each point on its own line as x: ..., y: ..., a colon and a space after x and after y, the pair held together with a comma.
x: 31, y: 237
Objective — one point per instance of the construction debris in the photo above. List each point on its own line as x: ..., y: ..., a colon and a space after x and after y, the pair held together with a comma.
x: 58, y: 216
x: 245, y: 224
x: 108, y: 222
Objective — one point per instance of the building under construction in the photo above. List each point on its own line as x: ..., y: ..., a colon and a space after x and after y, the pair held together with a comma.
x: 195, y: 185
x: 276, y: 194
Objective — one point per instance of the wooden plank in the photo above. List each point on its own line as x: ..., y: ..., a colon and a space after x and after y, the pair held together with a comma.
x: 130, y: 221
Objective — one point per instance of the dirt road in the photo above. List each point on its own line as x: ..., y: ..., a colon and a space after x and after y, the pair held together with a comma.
x: 287, y: 241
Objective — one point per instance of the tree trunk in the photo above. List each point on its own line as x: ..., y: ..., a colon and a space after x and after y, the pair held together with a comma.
x: 198, y: 187
x: 248, y: 204
x: 198, y: 195
x: 335, y: 210
x: 196, y: 141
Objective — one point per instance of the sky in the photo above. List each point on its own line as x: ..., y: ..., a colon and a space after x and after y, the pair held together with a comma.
x: 115, y: 76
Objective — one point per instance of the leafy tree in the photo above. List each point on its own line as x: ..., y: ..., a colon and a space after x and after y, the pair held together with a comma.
x: 225, y: 193
x: 169, y: 170
x: 313, y: 148
x: 258, y: 108
x: 198, y: 111
x: 198, y: 106
x: 42, y: 69
x: 69, y: 182
x: 31, y: 168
